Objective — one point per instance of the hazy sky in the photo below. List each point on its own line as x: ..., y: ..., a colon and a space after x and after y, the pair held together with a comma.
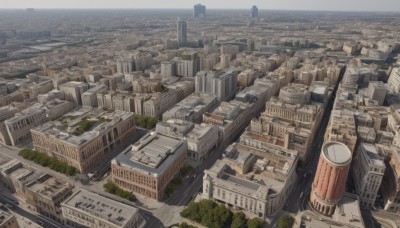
x: 351, y: 5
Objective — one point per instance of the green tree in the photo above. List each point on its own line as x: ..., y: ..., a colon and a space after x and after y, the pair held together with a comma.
x: 151, y: 122
x: 285, y: 222
x: 239, y: 220
x: 70, y: 171
x: 255, y: 223
x: 47, y: 161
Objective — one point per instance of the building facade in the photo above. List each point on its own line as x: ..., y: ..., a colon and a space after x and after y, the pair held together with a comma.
x: 45, y: 195
x: 159, y: 103
x: 85, y: 150
x: 331, y: 176
x: 368, y: 171
x: 73, y: 91
x: 202, y: 140
x: 149, y: 165
x: 87, y: 209
x: 255, y: 190
x: 7, y: 219
x: 223, y: 84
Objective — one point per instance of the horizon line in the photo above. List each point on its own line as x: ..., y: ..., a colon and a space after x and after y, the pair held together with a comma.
x: 104, y: 8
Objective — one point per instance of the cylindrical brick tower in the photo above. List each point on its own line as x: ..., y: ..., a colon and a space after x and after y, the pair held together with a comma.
x: 331, y: 176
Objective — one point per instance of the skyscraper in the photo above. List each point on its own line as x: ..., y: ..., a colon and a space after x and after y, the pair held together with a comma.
x: 331, y: 176
x: 199, y: 10
x: 182, y: 36
x: 254, y: 12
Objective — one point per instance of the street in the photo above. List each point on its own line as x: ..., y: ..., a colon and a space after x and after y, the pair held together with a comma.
x: 18, y: 210
x: 298, y: 198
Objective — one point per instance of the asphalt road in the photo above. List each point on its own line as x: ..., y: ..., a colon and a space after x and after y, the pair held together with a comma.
x: 298, y: 198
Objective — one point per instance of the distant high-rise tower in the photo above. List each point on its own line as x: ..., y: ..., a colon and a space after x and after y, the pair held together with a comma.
x: 199, y: 10
x: 182, y: 35
x: 330, y: 178
x: 254, y: 12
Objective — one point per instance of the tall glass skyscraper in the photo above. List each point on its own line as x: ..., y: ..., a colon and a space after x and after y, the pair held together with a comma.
x: 254, y: 12
x: 182, y: 34
x: 199, y: 10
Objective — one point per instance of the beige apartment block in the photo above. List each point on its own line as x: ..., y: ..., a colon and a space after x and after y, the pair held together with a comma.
x: 368, y: 170
x: 7, y: 218
x: 84, y: 150
x: 342, y: 128
x: 391, y: 183
x: 45, y: 195
x: 159, y: 103
x: 18, y: 126
x: 87, y: 209
x: 257, y: 184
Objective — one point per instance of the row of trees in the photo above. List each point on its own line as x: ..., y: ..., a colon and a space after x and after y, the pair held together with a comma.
x: 213, y: 215
x: 110, y: 187
x: 47, y: 161
x: 148, y: 122
x: 285, y: 221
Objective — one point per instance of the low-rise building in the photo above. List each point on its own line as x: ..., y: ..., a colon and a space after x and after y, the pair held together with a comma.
x: 183, y: 88
x: 18, y: 127
x: 73, y: 91
x: 260, y: 189
x: 8, y: 112
x: 146, y: 85
x: 342, y: 128
x: 159, y: 103
x: 45, y: 195
x: 89, y: 98
x: 347, y: 214
x: 54, y: 94
x: 36, y: 85
x: 192, y: 108
x: 202, y: 140
x: 82, y: 148
x: 174, y: 128
x: 15, y: 176
x: 391, y: 182
x: 87, y: 209
x: 149, y: 165
x: 230, y: 119
x: 7, y: 218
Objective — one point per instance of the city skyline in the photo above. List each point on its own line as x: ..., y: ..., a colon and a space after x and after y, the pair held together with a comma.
x: 340, y: 5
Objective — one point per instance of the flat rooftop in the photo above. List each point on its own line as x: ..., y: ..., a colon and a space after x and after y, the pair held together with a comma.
x: 64, y: 130
x: 337, y: 153
x: 152, y: 154
x: 48, y: 186
x: 102, y: 207
x: 371, y: 155
x: 5, y: 215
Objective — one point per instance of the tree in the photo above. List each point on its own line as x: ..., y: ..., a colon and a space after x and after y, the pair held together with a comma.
x: 151, y: 122
x: 47, y: 161
x: 255, y: 223
x: 285, y: 222
x: 239, y: 220
x: 70, y: 171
